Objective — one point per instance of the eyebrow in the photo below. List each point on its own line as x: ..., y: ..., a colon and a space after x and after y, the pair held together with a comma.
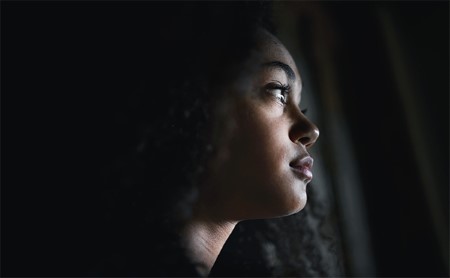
x: 287, y: 69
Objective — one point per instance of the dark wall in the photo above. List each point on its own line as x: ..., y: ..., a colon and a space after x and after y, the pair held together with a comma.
x: 66, y: 68
x: 404, y: 237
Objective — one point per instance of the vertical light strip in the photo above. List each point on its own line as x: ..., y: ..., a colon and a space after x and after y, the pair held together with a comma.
x: 422, y: 144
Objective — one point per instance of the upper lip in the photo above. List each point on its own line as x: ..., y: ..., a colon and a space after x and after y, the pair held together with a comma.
x: 303, y: 162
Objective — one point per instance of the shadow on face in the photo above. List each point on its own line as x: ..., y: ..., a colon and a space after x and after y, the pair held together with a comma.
x: 262, y: 166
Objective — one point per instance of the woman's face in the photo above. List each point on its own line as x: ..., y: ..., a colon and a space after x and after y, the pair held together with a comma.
x: 262, y: 166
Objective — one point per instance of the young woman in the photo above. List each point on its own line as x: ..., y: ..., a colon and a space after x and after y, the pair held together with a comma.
x: 261, y: 167
x: 220, y: 139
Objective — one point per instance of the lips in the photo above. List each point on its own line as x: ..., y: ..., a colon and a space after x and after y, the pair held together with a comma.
x: 302, y: 168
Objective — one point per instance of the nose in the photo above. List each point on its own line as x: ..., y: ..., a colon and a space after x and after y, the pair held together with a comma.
x: 303, y: 131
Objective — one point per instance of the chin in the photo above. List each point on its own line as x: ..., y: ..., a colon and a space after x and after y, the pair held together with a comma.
x: 299, y: 206
x: 293, y: 206
x: 296, y: 200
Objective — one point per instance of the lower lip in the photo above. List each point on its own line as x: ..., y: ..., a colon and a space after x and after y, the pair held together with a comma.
x: 303, y: 173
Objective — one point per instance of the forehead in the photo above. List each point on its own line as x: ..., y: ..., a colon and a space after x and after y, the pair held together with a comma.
x: 272, y: 50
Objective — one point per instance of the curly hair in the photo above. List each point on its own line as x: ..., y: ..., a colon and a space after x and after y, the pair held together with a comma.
x: 167, y: 128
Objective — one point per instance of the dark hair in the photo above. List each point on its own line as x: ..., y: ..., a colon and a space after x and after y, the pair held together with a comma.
x: 194, y: 49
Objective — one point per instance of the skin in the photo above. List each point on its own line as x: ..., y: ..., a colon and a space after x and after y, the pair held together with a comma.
x: 262, y: 132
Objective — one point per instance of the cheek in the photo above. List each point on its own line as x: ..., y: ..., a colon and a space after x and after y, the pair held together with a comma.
x: 261, y: 155
x: 270, y: 182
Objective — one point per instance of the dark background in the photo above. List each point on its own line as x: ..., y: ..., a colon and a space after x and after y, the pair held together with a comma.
x: 66, y: 65
x: 379, y: 71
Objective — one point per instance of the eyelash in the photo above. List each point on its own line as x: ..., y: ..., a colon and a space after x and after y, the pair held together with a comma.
x: 285, y: 89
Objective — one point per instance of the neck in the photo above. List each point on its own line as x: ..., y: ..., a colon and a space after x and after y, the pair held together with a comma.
x: 204, y: 238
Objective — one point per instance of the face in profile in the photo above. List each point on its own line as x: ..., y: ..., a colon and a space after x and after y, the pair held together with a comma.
x: 262, y: 166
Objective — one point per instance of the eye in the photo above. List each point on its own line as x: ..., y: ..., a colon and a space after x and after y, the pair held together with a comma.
x: 280, y: 95
x: 279, y: 91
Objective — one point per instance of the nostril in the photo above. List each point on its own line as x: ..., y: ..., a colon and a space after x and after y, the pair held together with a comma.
x: 305, y: 141
x: 304, y: 132
x: 309, y: 145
